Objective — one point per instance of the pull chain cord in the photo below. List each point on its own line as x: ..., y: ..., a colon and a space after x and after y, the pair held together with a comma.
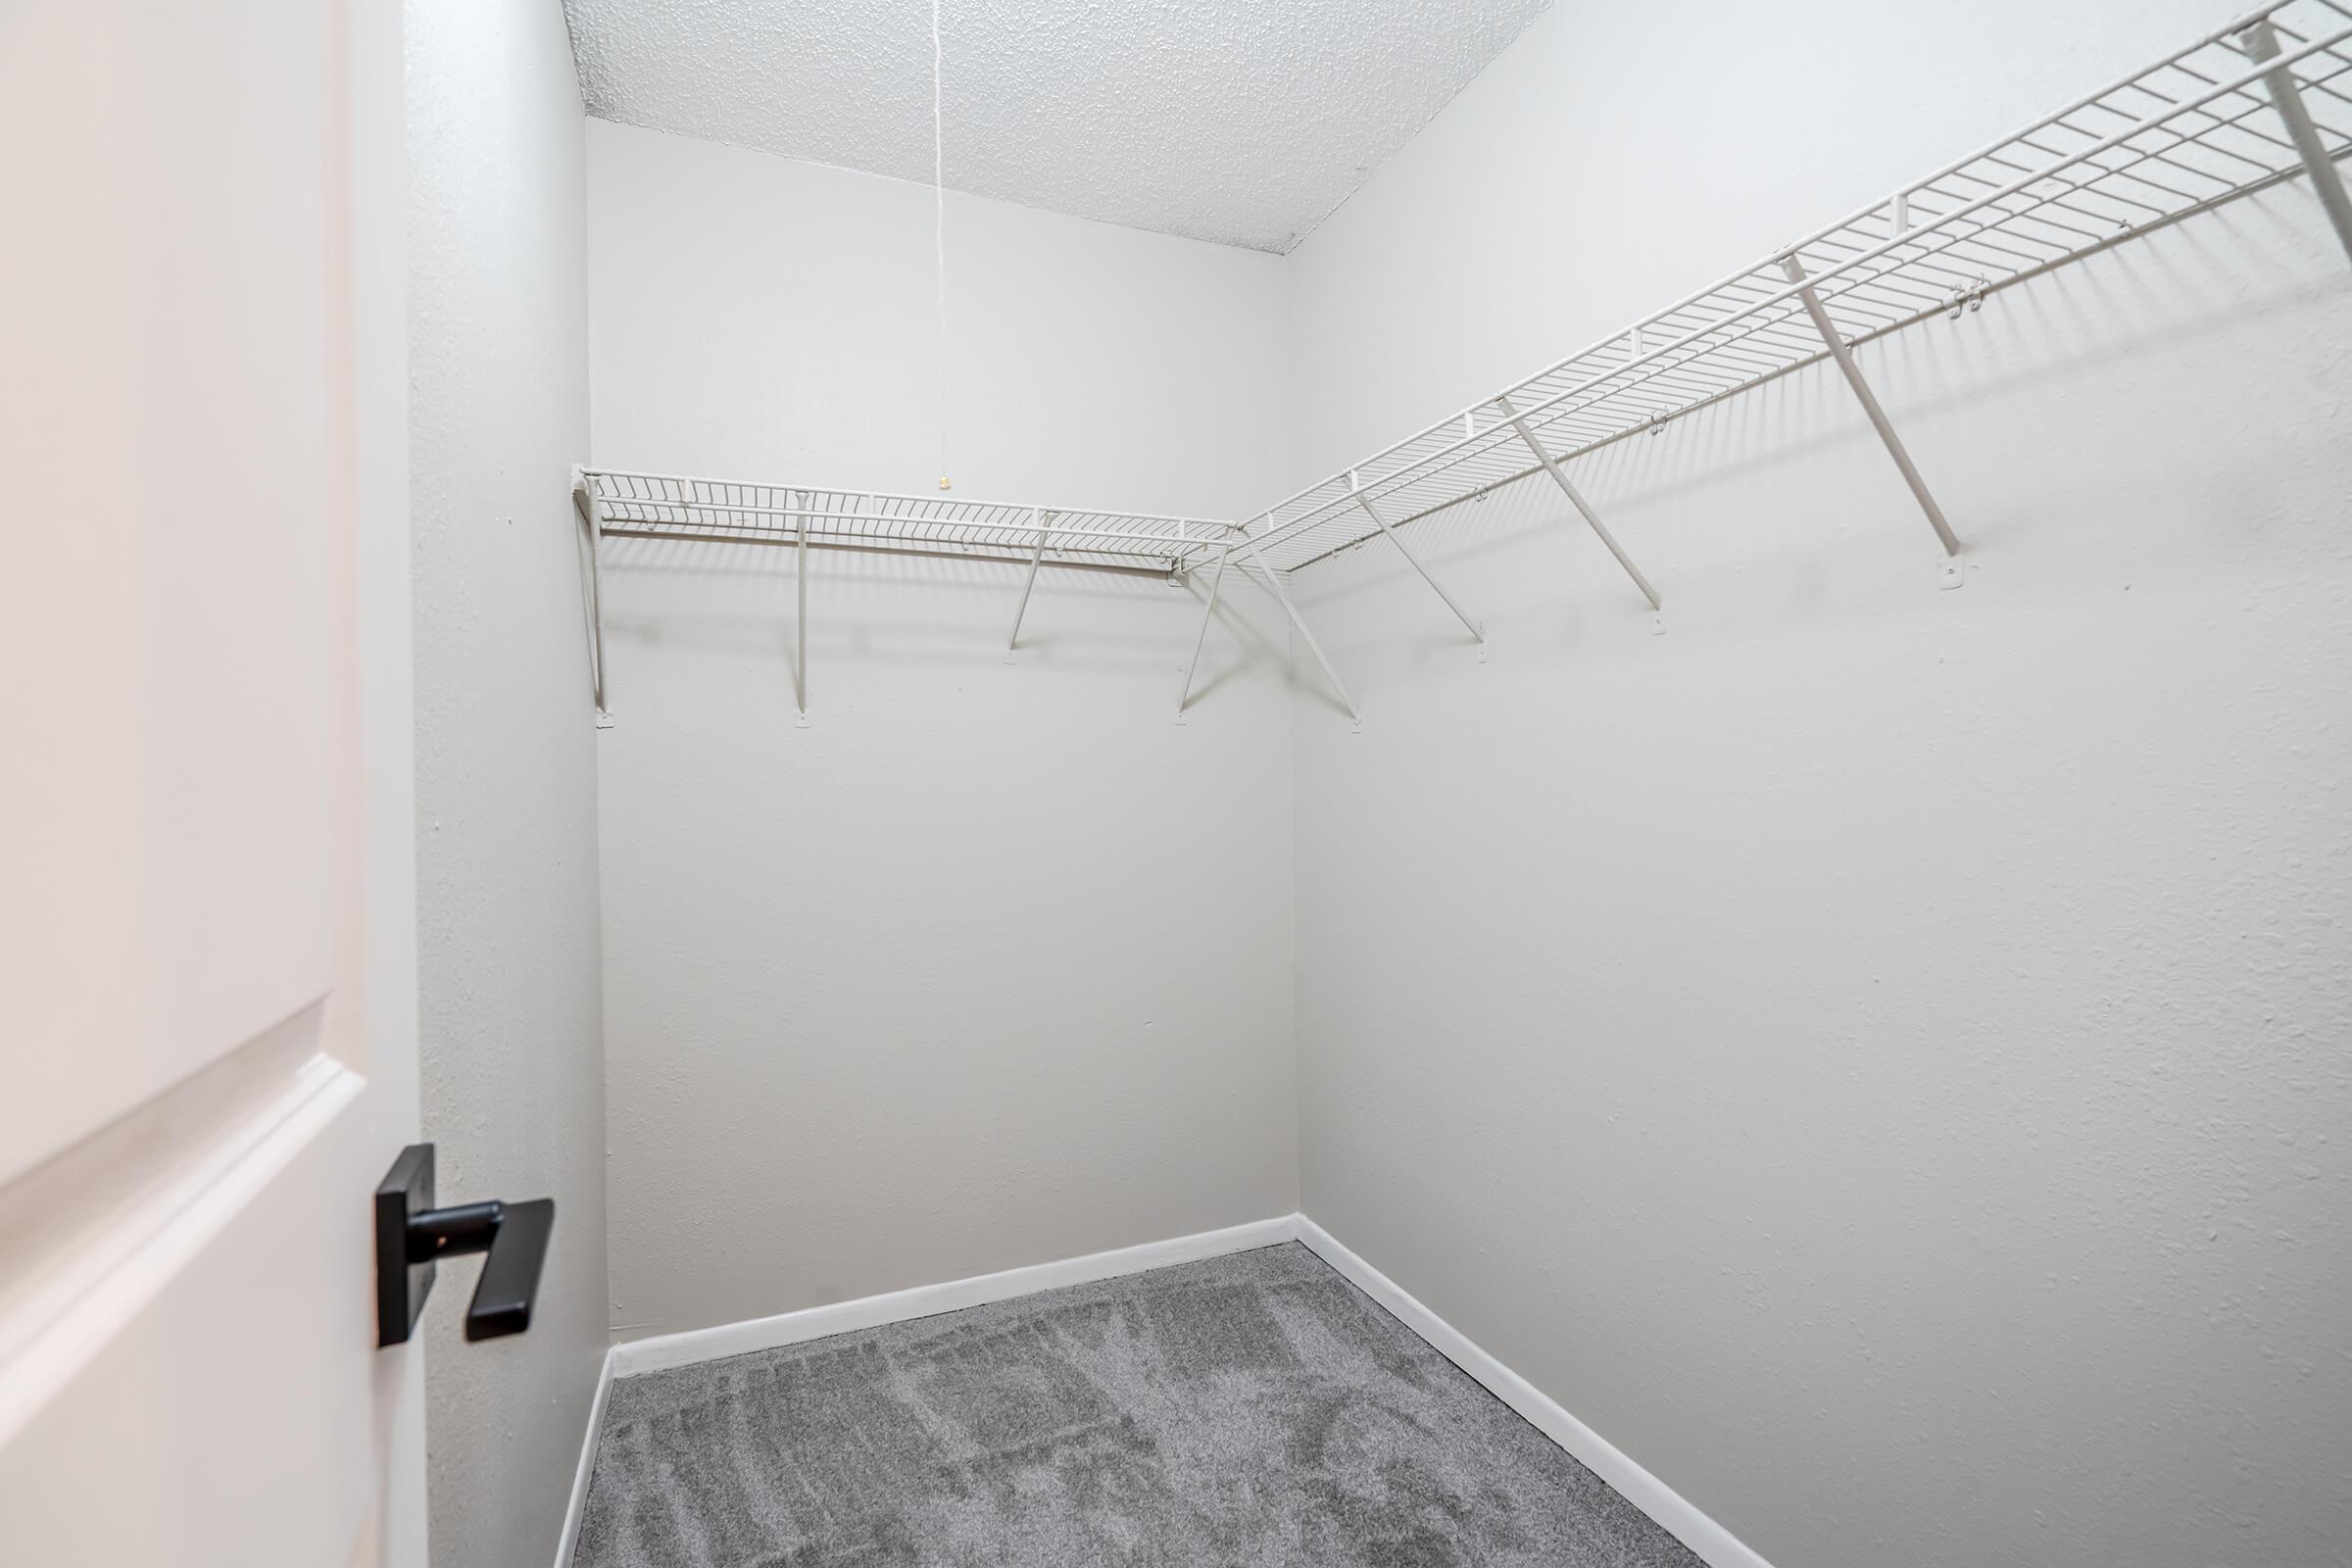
x: 939, y: 206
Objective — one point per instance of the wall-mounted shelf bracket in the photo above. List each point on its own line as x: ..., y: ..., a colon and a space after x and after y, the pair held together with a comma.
x: 1576, y: 498
x: 1239, y: 538
x: 799, y: 616
x: 2261, y: 43
x: 1037, y: 556
x: 1414, y: 562
x: 592, y: 517
x: 1845, y: 356
x: 1274, y: 580
x: 1208, y: 613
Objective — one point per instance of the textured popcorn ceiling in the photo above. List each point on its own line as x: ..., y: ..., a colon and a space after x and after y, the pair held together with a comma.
x: 1244, y: 121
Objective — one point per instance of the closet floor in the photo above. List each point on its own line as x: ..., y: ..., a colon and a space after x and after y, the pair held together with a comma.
x: 1253, y: 1409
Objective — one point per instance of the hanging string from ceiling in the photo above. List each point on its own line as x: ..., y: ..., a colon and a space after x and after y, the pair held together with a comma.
x: 939, y: 233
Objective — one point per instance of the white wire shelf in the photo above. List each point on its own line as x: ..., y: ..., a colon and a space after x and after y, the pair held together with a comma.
x: 620, y: 504
x: 2195, y: 130
x: 661, y: 505
x: 2264, y: 100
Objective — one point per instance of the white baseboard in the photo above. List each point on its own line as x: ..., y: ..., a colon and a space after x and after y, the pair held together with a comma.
x: 1675, y: 1514
x: 665, y: 1351
x: 570, y: 1538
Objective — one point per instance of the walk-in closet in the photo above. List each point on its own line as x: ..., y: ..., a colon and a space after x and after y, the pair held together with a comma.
x: 1103, y: 784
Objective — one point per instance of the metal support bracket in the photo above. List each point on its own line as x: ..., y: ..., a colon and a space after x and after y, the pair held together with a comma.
x: 2261, y: 43
x: 1045, y: 531
x: 1356, y: 493
x: 1575, y: 499
x: 1208, y: 613
x: 1274, y: 580
x: 1796, y: 273
x: 800, y: 617
x: 592, y: 514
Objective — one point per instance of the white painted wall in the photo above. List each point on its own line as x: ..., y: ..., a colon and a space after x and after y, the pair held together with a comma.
x: 513, y: 1094
x: 989, y: 966
x: 1876, y: 1054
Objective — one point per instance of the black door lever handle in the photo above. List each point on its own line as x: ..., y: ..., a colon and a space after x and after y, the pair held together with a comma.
x: 412, y: 1237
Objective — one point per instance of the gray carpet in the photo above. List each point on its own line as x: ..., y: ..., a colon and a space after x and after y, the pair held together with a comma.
x: 1255, y: 1410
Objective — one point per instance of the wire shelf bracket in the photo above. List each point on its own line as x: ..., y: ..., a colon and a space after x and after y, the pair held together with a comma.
x: 800, y: 617
x: 1044, y: 534
x: 1371, y: 511
x: 1845, y: 356
x: 2261, y: 43
x: 592, y: 520
x: 1209, y: 611
x: 1356, y: 714
x: 1584, y: 508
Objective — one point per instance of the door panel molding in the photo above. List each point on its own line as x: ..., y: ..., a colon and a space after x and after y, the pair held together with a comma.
x: 92, y: 1236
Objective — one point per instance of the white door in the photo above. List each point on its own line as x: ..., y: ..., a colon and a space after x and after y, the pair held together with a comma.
x: 207, y: 1050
